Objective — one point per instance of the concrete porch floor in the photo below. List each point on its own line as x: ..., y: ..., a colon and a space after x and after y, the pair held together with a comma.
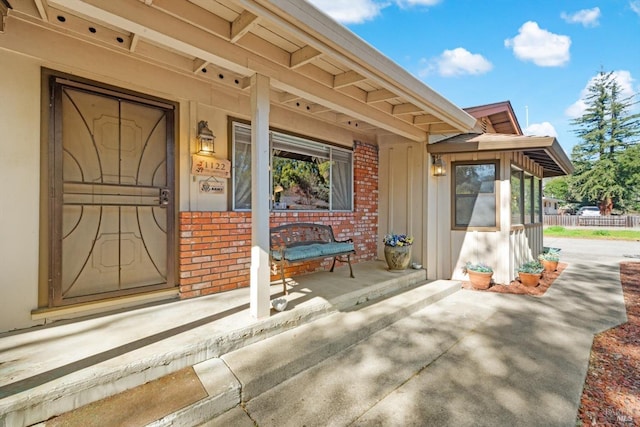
x: 64, y: 361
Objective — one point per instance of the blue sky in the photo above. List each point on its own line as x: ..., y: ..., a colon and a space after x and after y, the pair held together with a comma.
x: 538, y: 54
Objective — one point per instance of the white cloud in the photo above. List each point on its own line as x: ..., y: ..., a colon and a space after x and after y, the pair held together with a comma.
x: 540, y: 46
x: 359, y: 11
x: 541, y: 129
x: 457, y: 62
x: 409, y: 3
x: 586, y: 17
x: 635, y: 6
x: 625, y: 84
x: 350, y: 11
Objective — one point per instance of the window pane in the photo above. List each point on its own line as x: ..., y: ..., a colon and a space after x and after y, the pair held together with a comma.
x: 341, y: 180
x: 305, y: 174
x: 304, y: 180
x: 528, y: 195
x: 475, y: 198
x: 516, y: 196
x: 536, y: 200
x: 241, y: 167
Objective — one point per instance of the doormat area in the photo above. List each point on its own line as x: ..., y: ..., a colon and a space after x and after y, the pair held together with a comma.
x: 138, y: 406
x: 515, y: 287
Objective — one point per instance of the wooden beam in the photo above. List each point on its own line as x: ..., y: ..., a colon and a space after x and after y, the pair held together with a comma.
x: 426, y: 119
x: 380, y: 95
x: 346, y: 79
x: 286, y: 98
x: 402, y: 109
x: 303, y: 56
x: 166, y: 30
x: 42, y: 10
x: 242, y: 25
x: 198, y: 65
x: 134, y: 42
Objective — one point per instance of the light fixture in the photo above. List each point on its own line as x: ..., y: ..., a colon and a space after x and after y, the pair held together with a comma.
x: 205, y: 139
x: 438, y: 166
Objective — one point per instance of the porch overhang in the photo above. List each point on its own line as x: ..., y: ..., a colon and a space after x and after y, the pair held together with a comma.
x: 544, y: 150
x: 316, y: 66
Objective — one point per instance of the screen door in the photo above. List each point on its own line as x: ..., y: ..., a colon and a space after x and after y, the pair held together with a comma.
x: 112, y: 202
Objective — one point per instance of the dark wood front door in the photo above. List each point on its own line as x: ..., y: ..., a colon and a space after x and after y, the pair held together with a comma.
x: 112, y: 203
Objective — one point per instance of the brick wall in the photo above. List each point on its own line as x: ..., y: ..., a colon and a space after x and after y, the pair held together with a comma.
x: 215, y: 247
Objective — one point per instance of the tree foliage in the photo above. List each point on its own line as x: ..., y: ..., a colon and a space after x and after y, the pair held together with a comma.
x: 558, y: 188
x: 607, y: 170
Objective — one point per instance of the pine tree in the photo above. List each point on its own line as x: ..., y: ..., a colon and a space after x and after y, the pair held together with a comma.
x: 605, y: 170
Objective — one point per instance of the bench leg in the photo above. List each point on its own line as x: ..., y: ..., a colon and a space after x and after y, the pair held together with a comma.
x: 284, y: 283
x: 335, y: 258
x: 350, y: 269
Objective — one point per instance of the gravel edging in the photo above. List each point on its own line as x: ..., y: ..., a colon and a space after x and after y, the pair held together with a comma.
x: 611, y: 393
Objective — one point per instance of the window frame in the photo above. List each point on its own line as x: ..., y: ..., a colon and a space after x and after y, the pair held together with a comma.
x: 496, y: 195
x: 532, y: 216
x: 324, y: 145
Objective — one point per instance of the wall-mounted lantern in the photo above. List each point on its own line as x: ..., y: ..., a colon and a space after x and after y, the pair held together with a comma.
x: 438, y: 166
x: 206, y: 139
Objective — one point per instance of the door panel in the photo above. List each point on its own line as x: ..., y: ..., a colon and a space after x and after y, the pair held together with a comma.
x: 114, y: 201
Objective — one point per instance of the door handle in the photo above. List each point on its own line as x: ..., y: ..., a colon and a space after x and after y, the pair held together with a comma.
x: 165, y: 194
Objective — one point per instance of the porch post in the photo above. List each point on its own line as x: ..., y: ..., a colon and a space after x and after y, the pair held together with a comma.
x: 260, y: 269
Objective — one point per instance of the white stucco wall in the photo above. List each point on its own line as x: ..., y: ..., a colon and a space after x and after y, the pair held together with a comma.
x: 19, y: 188
x: 20, y: 141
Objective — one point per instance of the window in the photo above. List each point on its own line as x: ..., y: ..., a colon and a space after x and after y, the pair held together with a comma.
x: 305, y: 174
x: 516, y: 197
x: 537, y: 200
x: 526, y: 199
x: 475, y: 194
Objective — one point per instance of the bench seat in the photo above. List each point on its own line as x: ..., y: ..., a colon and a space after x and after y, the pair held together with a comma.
x: 305, y: 242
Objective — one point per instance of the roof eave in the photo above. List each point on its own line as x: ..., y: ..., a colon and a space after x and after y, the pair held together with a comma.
x: 340, y: 42
x: 505, y: 143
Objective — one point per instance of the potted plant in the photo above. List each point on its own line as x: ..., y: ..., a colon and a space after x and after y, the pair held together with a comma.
x: 397, y: 251
x: 480, y: 274
x: 530, y: 273
x: 549, y: 259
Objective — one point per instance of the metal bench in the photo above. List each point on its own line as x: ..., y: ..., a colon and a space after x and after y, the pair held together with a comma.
x: 305, y: 242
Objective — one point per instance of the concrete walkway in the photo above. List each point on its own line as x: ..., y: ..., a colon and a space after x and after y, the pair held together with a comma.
x: 378, y: 350
x: 471, y: 359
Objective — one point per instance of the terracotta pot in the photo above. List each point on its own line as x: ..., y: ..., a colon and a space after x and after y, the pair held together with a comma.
x: 549, y: 266
x: 397, y: 257
x: 480, y: 280
x: 529, y: 279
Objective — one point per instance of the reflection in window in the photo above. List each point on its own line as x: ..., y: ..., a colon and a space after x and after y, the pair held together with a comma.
x: 306, y: 175
x: 475, y: 194
x: 516, y: 197
x: 537, y: 199
x: 528, y: 202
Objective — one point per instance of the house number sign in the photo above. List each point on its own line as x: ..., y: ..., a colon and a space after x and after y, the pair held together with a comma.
x: 210, y: 166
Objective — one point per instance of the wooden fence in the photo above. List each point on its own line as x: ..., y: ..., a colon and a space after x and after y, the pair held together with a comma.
x: 627, y: 221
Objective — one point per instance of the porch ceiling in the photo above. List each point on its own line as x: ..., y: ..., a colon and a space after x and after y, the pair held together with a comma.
x: 544, y: 150
x: 316, y: 66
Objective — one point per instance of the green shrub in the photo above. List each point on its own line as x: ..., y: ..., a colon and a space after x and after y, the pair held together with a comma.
x: 533, y: 267
x: 601, y: 233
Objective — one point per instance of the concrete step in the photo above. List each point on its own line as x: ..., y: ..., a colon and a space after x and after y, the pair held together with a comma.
x: 246, y: 372
x: 126, y: 362
x: 261, y: 366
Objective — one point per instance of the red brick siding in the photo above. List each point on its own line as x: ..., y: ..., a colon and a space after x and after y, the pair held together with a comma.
x: 215, y: 247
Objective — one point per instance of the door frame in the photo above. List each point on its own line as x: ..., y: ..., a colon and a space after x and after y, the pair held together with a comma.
x: 51, y: 218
